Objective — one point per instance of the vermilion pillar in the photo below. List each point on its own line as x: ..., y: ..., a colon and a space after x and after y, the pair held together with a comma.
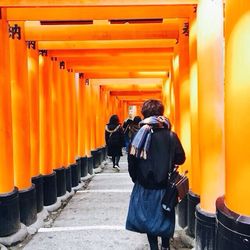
x: 233, y: 213
x: 21, y: 123
x: 62, y: 114
x: 56, y: 128
x: 33, y: 81
x: 69, y: 88
x: 176, y: 91
x: 6, y: 152
x: 56, y: 121
x: 45, y: 116
x: 88, y: 116
x: 182, y: 114
x: 81, y: 116
x: 96, y: 89
x: 211, y: 114
x: 103, y: 109
x: 92, y: 118
x: 10, y: 222
x: 20, y: 109
x: 184, y: 90
x: 165, y: 97
x: 194, y: 172
x: 195, y: 163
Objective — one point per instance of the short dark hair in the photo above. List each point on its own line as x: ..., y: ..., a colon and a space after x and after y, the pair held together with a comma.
x: 152, y: 108
x: 114, y: 119
x: 137, y: 119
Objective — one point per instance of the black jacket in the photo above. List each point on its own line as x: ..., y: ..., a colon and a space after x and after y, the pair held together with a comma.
x: 114, y: 138
x: 152, y: 173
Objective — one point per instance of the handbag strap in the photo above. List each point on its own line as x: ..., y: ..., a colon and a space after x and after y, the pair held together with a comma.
x: 170, y: 164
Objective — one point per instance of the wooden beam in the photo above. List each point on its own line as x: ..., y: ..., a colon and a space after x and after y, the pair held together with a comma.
x: 67, y: 3
x: 135, y: 93
x: 115, y: 74
x: 99, y: 12
x: 111, y: 62
x: 140, y: 98
x: 36, y: 32
x: 128, y: 83
x: 102, y: 44
x: 120, y: 68
x: 111, y: 52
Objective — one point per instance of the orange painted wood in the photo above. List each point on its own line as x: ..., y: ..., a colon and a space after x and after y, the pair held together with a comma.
x: 6, y: 150
x: 184, y: 92
x: 20, y: 111
x: 99, y: 12
x: 64, y: 3
x: 36, y: 32
x: 45, y: 115
x: 56, y: 125
x: 88, y: 116
x: 33, y: 81
x: 71, y: 118
x: 81, y: 117
x: 211, y: 102
x: 237, y: 135
x: 195, y: 161
x: 63, y: 127
x: 111, y: 44
x: 105, y: 53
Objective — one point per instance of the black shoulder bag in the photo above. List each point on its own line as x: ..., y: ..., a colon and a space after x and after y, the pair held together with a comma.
x: 177, y: 186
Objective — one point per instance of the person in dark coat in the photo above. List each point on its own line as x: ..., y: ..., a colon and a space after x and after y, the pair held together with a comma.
x: 125, y: 126
x: 134, y: 128
x: 148, y: 166
x: 114, y: 138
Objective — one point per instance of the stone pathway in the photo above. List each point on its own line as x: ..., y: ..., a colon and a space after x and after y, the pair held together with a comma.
x: 95, y: 218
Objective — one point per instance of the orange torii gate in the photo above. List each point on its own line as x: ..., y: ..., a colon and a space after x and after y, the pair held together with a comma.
x: 62, y: 117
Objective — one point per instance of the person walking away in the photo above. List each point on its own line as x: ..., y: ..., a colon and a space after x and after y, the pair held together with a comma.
x: 134, y: 128
x: 148, y: 166
x: 125, y: 126
x: 114, y: 138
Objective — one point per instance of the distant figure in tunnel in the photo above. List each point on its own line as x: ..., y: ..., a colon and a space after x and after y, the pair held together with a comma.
x: 134, y: 128
x: 114, y: 138
x: 149, y: 166
x: 125, y: 126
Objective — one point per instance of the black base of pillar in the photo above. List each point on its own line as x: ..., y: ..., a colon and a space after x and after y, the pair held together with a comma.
x: 205, y: 230
x: 182, y: 213
x: 193, y: 201
x: 94, y: 153
x: 75, y: 174
x: 102, y: 154
x: 68, y: 179
x: 49, y: 189
x: 90, y: 165
x: 84, y: 166
x: 60, y: 181
x: 233, y: 230
x: 106, y: 152
x: 9, y: 213
x: 99, y: 156
x: 27, y: 202
x: 38, y: 181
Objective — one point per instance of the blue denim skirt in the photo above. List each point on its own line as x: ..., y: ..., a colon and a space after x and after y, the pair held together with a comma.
x: 146, y: 215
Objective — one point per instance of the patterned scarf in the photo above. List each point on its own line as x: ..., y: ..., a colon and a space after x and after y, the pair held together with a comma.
x: 141, y: 142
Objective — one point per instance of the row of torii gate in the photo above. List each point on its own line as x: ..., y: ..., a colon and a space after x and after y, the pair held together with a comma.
x: 66, y: 66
